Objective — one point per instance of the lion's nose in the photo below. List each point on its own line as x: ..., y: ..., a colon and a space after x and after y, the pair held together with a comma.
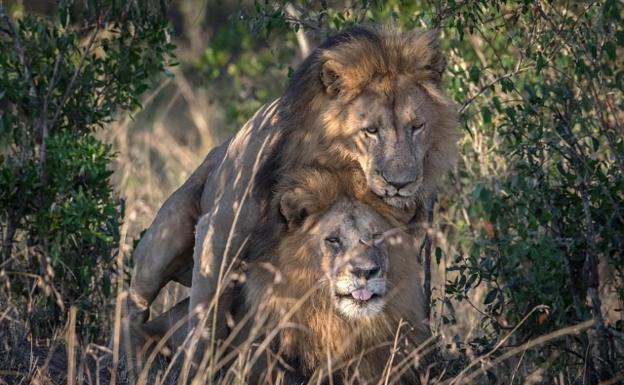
x: 366, y: 272
x: 399, y: 185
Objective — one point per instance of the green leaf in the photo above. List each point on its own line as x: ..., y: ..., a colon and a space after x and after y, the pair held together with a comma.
x: 471, y: 280
x: 141, y: 88
x: 610, y: 49
x: 487, y: 115
x: 539, y: 63
x: 475, y: 73
x: 507, y: 85
x: 490, y: 297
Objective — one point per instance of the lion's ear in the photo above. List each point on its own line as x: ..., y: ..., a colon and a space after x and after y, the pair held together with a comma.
x: 293, y: 207
x: 434, y: 60
x: 330, y: 77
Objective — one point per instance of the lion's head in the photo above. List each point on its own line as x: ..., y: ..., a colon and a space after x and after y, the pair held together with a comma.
x: 343, y: 249
x: 377, y: 97
x: 335, y: 258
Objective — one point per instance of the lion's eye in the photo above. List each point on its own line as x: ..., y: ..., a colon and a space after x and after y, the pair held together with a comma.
x: 333, y: 241
x: 371, y: 130
x: 417, y: 128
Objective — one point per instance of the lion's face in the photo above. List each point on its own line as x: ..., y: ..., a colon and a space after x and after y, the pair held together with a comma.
x: 353, y: 257
x: 379, y: 102
x: 342, y: 250
x: 389, y: 136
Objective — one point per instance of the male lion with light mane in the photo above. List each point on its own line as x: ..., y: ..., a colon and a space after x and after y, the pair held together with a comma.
x: 365, y: 100
x: 341, y: 282
x: 332, y: 287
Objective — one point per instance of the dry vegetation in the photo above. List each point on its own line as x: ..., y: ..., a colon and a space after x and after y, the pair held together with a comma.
x: 157, y: 147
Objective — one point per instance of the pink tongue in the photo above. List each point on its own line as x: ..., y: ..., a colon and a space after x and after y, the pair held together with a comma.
x: 362, y: 294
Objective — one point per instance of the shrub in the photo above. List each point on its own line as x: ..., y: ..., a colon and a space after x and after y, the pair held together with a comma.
x: 59, y: 82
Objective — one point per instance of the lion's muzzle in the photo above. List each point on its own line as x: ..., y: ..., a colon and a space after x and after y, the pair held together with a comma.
x: 361, y: 284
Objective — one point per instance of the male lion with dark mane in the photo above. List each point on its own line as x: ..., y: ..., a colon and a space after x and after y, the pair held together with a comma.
x: 365, y: 100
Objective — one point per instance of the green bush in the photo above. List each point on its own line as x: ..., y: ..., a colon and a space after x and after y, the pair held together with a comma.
x: 59, y: 82
x: 554, y: 112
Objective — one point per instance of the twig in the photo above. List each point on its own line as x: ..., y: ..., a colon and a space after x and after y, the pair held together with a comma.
x: 14, y: 217
x: 43, y: 122
x: 303, y: 23
x: 490, y: 84
x: 119, y: 302
x: 426, y: 249
x: 591, y: 266
x: 498, y: 345
x: 574, y: 329
x: 71, y: 347
x: 304, y: 46
x: 19, y: 49
x: 447, y: 12
x: 388, y: 368
x: 72, y: 82
x: 513, y: 376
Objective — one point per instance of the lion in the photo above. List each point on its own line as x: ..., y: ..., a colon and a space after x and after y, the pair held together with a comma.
x: 342, y: 271
x: 365, y: 100
x: 335, y: 275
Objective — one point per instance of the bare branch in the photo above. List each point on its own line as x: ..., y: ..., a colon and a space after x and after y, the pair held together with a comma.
x: 425, y: 253
x: 486, y: 86
x: 19, y: 49
x: 43, y: 119
x: 485, y: 365
x: 74, y: 78
x: 591, y: 266
x: 302, y: 40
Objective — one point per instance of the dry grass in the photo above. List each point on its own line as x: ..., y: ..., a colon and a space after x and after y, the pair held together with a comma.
x: 157, y: 149
x: 49, y: 363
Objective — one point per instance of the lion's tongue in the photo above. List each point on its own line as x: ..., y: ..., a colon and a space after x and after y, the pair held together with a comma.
x: 362, y: 294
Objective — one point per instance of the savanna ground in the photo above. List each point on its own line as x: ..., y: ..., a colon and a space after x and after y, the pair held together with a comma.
x: 527, y: 244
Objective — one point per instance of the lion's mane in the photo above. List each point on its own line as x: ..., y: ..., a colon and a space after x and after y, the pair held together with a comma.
x: 307, y: 110
x: 285, y: 288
